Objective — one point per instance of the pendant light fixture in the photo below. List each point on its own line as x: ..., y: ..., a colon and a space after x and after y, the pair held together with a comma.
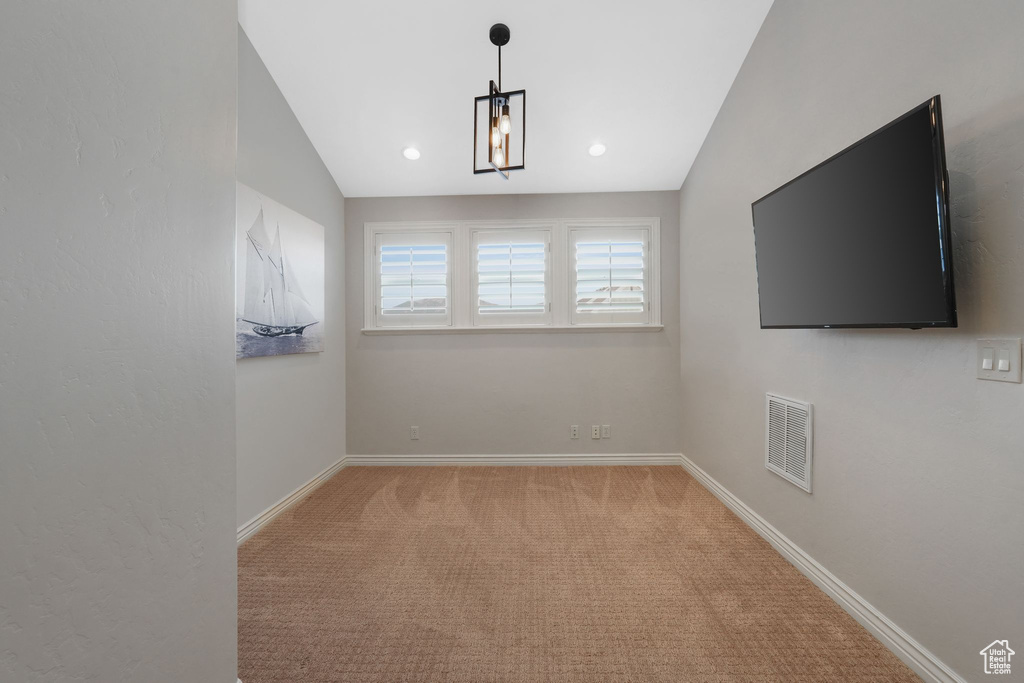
x: 499, y: 122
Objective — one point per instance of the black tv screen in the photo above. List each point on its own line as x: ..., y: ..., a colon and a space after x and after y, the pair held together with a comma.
x: 862, y: 239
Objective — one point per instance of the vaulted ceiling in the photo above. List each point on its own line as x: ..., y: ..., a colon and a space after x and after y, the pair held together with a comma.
x: 367, y: 79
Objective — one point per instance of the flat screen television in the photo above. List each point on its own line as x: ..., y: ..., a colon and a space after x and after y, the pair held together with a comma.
x: 862, y: 239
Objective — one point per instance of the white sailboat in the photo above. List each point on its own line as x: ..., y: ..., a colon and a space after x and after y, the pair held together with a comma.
x: 274, y: 303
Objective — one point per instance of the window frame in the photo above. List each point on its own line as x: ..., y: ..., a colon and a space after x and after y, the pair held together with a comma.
x: 542, y: 232
x: 414, y: 235
x: 560, y: 278
x: 577, y: 231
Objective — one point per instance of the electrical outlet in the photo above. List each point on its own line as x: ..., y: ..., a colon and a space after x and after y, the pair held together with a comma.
x: 606, y: 431
x: 595, y: 432
x: 414, y: 433
x: 574, y: 432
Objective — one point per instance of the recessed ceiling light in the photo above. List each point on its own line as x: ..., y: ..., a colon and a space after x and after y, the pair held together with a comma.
x: 596, y: 149
x: 411, y: 153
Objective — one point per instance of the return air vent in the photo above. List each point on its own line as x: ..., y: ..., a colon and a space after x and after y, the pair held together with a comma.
x: 788, y: 439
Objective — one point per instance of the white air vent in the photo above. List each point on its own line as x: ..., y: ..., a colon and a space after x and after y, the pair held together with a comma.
x: 788, y: 439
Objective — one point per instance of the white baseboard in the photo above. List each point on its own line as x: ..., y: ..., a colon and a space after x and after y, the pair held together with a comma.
x: 913, y: 654
x: 265, y: 517
x: 556, y: 460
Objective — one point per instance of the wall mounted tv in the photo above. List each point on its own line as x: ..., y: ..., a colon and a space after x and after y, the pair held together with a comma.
x: 862, y: 239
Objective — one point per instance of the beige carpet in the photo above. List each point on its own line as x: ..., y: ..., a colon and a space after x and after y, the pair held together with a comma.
x: 583, y: 574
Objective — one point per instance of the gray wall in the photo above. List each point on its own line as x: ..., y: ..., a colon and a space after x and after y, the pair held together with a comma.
x: 291, y: 409
x: 919, y: 467
x: 500, y: 393
x: 117, y: 164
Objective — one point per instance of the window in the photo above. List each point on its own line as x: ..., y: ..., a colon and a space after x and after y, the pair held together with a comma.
x: 413, y: 279
x: 511, y: 271
x: 596, y: 274
x: 609, y: 275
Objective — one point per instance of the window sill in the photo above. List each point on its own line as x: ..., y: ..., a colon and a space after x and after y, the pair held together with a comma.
x: 374, y: 331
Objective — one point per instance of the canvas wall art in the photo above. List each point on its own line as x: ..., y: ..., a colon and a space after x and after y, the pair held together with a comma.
x: 279, y: 274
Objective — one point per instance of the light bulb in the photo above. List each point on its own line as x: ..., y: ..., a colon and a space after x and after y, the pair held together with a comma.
x: 495, y: 137
x: 506, y: 123
x: 499, y: 157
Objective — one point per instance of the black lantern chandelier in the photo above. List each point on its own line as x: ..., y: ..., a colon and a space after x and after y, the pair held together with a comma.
x: 500, y: 118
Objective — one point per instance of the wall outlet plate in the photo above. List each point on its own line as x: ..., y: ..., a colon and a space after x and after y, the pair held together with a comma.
x: 595, y: 431
x: 414, y: 433
x: 606, y: 431
x: 989, y: 354
x: 574, y: 432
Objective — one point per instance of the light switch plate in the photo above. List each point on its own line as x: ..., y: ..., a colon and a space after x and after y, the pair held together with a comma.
x: 993, y: 350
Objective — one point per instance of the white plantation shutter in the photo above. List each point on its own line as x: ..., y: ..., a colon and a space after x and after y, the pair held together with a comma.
x: 610, y: 275
x: 511, y: 281
x: 490, y: 275
x: 413, y: 279
x: 510, y: 278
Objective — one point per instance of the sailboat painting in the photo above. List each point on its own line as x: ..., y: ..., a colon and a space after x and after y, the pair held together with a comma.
x: 279, y: 290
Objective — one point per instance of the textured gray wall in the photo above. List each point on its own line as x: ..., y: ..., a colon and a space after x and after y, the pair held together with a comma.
x: 117, y: 473
x: 291, y: 409
x: 495, y: 393
x: 919, y: 467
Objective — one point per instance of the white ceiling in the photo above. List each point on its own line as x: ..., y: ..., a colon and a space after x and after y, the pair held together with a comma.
x: 368, y: 78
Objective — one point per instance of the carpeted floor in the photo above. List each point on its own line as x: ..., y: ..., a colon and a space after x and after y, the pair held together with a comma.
x: 583, y: 574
